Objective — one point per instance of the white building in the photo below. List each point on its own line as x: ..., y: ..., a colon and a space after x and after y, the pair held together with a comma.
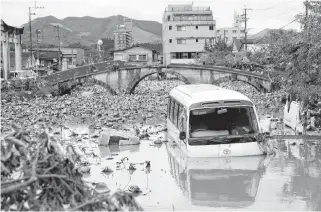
x: 186, y: 28
x: 231, y: 33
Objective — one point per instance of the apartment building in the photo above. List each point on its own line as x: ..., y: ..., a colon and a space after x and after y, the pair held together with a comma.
x: 231, y: 33
x: 186, y: 28
x: 123, y: 35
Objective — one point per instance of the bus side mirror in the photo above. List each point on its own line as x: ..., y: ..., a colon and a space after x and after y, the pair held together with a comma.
x: 182, y: 135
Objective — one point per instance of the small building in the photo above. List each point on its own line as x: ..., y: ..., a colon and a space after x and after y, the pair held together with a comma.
x: 229, y: 34
x: 70, y: 57
x: 136, y: 54
x: 252, y: 45
x: 48, y: 57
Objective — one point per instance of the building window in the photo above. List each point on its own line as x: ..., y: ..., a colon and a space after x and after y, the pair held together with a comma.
x: 196, y: 40
x: 181, y: 41
x: 234, y: 31
x: 170, y: 40
x: 168, y: 18
x: 218, y: 31
x: 142, y: 57
x: 132, y: 57
x: 226, y: 31
x: 181, y: 28
x: 173, y: 55
x: 211, y: 27
x: 196, y: 27
x: 170, y: 27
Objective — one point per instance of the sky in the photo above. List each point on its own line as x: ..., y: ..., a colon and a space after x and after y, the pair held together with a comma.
x: 265, y: 14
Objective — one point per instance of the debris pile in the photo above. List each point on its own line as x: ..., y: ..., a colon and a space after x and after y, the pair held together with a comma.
x: 37, y: 174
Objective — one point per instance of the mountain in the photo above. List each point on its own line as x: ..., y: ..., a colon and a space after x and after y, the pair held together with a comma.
x: 88, y: 30
x: 260, y: 34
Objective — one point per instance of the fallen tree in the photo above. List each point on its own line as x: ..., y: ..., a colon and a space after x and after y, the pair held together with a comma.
x: 38, y: 174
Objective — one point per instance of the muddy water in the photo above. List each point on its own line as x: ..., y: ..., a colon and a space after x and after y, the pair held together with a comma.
x: 290, y: 180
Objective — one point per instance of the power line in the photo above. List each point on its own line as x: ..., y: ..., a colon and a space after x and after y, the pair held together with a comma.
x: 288, y: 11
x: 288, y: 23
x: 269, y: 8
x: 30, y: 33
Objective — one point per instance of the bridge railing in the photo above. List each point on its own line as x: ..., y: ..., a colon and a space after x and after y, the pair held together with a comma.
x: 262, y: 75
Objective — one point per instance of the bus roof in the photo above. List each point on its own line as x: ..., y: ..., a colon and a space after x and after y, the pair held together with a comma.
x: 196, y: 93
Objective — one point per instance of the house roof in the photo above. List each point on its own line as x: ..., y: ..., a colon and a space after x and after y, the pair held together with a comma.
x: 48, y: 55
x: 63, y: 50
x: 138, y: 46
x: 11, y: 28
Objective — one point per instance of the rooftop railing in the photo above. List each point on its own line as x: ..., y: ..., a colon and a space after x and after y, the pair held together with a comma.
x: 186, y: 8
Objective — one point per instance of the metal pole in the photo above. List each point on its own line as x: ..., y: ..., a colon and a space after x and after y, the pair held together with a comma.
x: 245, y: 29
x: 59, y: 58
x: 38, y: 44
x: 306, y: 14
x: 30, y: 34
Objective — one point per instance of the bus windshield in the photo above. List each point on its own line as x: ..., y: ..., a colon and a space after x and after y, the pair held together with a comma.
x: 225, y: 121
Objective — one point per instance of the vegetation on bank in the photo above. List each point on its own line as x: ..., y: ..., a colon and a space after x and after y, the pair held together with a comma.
x: 295, y: 57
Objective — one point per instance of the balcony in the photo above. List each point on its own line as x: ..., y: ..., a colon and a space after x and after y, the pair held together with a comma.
x: 193, y: 18
x: 196, y: 23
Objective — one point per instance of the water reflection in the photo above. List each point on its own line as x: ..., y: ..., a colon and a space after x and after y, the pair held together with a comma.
x: 306, y: 179
x: 217, y: 182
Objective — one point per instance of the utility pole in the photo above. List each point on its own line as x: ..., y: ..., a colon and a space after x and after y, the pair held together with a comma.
x: 59, y: 50
x: 245, y: 26
x: 306, y: 14
x: 30, y: 30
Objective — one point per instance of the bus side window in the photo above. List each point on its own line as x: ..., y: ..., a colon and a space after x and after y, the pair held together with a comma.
x: 181, y: 119
x: 169, y: 106
x: 175, y: 114
x: 171, y: 110
x: 179, y: 109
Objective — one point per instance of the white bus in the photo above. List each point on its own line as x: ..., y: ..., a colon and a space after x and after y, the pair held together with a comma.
x: 208, y: 121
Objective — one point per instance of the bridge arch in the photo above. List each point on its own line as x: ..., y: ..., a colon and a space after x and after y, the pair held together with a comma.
x: 131, y: 88
x: 70, y: 85
x: 257, y: 86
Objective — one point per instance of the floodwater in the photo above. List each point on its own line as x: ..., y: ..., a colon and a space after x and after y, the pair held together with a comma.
x: 289, y: 180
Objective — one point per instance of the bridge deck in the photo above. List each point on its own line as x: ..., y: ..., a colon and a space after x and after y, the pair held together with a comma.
x: 106, y: 67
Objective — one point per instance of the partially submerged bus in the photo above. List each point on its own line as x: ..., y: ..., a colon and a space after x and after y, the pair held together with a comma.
x: 208, y: 121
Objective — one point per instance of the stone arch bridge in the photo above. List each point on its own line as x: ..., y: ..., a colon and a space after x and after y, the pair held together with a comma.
x: 126, y: 78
